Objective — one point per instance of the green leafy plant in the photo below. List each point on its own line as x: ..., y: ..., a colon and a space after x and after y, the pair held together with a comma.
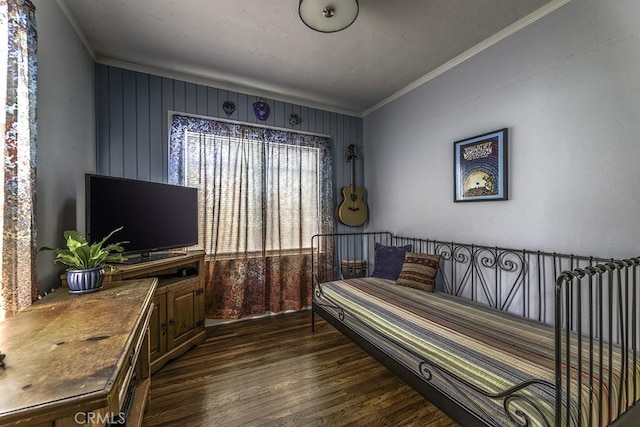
x: 80, y: 255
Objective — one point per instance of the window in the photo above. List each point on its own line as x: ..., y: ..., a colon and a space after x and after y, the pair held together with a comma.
x: 261, y: 189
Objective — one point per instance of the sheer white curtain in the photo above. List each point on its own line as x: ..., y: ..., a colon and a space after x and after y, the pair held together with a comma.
x: 256, y: 196
x: 263, y: 194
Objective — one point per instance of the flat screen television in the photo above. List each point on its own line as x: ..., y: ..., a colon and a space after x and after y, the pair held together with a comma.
x: 156, y: 217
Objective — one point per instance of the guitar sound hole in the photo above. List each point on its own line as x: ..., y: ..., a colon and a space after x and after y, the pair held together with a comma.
x: 353, y: 197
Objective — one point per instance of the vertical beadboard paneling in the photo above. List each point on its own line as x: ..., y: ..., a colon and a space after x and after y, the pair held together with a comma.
x: 102, y: 119
x: 214, y: 106
x: 167, y: 104
x: 132, y: 123
x: 311, y: 119
x: 129, y: 121
x: 321, y: 127
x: 242, y: 108
x: 143, y: 141
x: 156, y: 142
x: 179, y: 96
x: 201, y: 100
x: 116, y: 164
x: 326, y: 123
x: 288, y: 110
x: 190, y: 101
x: 278, y: 113
x: 304, y: 119
x: 233, y: 97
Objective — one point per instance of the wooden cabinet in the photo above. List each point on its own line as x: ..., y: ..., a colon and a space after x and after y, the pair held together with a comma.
x: 178, y: 318
x: 178, y: 323
x: 79, y: 359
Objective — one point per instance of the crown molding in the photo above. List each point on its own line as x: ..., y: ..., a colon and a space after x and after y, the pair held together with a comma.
x: 248, y: 89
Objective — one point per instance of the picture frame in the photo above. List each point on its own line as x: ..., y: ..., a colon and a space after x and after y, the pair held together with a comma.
x: 480, y: 167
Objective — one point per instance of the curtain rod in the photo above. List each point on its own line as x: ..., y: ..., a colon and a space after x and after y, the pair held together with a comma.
x: 237, y: 122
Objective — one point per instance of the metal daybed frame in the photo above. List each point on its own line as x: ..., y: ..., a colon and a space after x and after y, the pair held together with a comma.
x: 596, y: 300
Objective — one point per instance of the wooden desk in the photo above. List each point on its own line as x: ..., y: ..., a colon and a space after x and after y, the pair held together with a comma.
x: 71, y: 359
x: 178, y: 320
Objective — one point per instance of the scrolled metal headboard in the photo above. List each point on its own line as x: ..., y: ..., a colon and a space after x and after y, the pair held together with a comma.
x: 518, y: 281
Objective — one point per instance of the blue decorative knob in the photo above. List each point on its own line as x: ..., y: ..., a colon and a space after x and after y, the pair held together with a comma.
x: 261, y: 109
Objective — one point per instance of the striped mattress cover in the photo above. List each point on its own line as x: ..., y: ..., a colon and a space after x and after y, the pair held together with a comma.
x: 445, y: 338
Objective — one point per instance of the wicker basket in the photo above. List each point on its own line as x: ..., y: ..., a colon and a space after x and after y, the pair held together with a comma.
x: 353, y: 268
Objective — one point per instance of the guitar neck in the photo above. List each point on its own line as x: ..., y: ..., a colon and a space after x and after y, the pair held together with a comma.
x: 353, y: 174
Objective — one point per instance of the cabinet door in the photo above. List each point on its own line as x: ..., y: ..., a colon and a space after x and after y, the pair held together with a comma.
x: 158, y: 327
x: 199, y: 308
x: 181, y: 313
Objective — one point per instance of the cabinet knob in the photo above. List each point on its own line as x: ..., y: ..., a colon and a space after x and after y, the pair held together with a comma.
x: 172, y: 322
x: 164, y: 328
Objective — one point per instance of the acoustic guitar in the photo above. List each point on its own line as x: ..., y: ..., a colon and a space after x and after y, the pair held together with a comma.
x: 353, y: 210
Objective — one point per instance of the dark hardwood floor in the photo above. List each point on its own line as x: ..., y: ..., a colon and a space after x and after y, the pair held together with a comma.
x: 274, y: 371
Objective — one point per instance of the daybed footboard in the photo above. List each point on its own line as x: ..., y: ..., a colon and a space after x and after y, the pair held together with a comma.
x: 596, y: 301
x: 599, y: 335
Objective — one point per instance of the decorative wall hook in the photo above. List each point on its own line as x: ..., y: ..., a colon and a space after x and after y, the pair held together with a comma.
x: 228, y: 107
x: 261, y: 109
x: 294, y: 119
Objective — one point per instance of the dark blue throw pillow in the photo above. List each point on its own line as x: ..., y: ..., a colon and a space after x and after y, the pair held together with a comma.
x: 389, y: 261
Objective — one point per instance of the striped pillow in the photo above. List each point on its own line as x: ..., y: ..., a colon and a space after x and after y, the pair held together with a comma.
x: 419, y: 271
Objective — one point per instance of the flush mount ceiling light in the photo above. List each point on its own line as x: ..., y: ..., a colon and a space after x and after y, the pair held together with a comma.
x: 328, y: 16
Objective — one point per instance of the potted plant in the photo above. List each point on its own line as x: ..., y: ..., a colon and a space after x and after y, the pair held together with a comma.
x: 85, y: 263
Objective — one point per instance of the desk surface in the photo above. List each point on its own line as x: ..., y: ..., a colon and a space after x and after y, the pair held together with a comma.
x: 67, y: 349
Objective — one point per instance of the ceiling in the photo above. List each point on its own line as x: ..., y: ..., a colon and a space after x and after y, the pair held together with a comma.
x: 262, y: 48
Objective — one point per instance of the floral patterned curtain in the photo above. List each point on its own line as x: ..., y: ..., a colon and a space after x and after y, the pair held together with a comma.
x: 264, y: 194
x: 18, y: 66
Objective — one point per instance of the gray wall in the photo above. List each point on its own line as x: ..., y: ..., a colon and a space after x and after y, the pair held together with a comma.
x: 567, y: 88
x: 66, y: 133
x: 132, y: 122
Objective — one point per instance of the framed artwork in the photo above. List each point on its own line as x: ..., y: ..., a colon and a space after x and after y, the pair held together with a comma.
x: 480, y: 167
